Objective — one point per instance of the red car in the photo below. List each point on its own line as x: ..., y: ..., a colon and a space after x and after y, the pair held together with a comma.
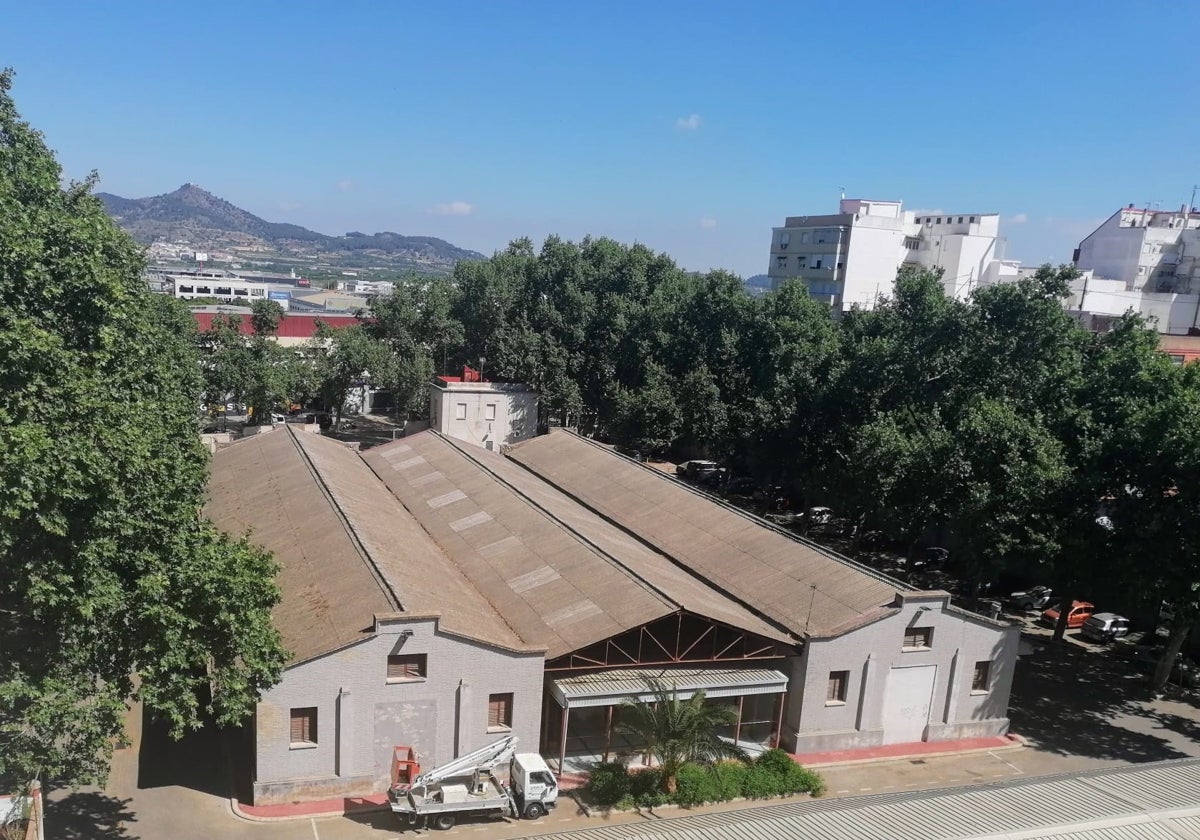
x: 1080, y: 612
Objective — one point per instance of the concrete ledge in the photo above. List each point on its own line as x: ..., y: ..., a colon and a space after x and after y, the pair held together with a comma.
x: 907, y: 752
x: 297, y: 792
x: 336, y: 807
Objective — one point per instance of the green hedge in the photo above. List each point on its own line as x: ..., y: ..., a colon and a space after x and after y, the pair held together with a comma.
x: 773, y: 773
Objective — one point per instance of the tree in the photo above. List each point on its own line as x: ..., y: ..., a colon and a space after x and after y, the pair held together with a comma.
x: 676, y: 731
x: 347, y: 358
x: 112, y: 587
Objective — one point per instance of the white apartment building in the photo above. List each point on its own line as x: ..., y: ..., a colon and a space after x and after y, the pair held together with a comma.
x: 851, y: 258
x: 1144, y: 261
x: 487, y: 414
x: 1149, y: 250
x: 228, y: 289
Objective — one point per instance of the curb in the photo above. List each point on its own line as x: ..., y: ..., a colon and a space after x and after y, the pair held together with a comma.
x: 1018, y: 742
x: 236, y: 810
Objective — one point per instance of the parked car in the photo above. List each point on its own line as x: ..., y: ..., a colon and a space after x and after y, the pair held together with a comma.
x: 277, y: 418
x: 1104, y: 627
x: 1183, y: 670
x: 1034, y: 598
x: 693, y: 470
x: 1080, y: 612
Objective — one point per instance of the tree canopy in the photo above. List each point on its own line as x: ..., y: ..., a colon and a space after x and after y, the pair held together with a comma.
x: 112, y: 587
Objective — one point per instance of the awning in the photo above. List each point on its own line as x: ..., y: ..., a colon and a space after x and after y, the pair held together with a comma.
x: 607, y: 688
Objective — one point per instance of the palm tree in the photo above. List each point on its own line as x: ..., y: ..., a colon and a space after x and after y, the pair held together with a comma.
x: 676, y: 731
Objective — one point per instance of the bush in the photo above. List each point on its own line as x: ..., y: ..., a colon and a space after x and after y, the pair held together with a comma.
x: 761, y: 783
x: 777, y: 761
x: 793, y: 778
x: 696, y: 785
x: 802, y: 779
x: 609, y: 783
x: 729, y: 778
x: 646, y: 787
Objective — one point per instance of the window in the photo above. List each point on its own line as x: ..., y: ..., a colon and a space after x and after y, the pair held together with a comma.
x: 804, y: 238
x: 960, y: 220
x: 836, y: 693
x: 489, y: 411
x: 781, y: 261
x: 972, y: 220
x: 407, y: 666
x: 802, y: 261
x: 918, y: 638
x: 839, y: 265
x: 784, y: 240
x: 460, y: 411
x: 500, y: 711
x: 912, y: 243
x: 304, y: 726
x: 817, y: 263
x: 982, y: 676
x: 1176, y: 358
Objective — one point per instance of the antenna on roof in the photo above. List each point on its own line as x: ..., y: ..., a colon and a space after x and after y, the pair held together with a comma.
x: 843, y: 193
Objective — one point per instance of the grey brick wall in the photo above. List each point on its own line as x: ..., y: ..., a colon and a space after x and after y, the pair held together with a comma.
x: 869, y: 654
x: 361, y: 715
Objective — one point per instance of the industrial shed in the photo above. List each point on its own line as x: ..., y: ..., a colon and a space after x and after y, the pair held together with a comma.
x: 436, y: 594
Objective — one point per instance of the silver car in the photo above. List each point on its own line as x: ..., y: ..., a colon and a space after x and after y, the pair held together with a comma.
x: 1104, y: 627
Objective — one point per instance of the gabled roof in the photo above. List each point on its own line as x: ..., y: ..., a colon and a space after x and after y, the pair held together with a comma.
x: 347, y: 550
x: 798, y: 586
x: 562, y: 576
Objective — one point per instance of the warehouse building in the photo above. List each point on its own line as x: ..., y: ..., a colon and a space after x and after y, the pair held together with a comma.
x: 438, y: 595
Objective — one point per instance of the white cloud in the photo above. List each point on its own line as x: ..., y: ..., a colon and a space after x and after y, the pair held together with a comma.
x: 689, y: 123
x: 345, y: 185
x: 1019, y: 219
x: 708, y: 223
x: 453, y: 208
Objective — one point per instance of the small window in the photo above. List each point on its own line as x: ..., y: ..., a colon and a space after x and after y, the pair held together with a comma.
x: 802, y: 261
x: 836, y: 693
x: 817, y: 262
x: 972, y: 220
x: 960, y: 220
x: 918, y: 638
x: 784, y: 240
x: 489, y: 411
x: 939, y: 220
x: 1176, y: 358
x: 460, y: 411
x: 407, y: 666
x: 500, y: 711
x: 304, y: 726
x: 804, y: 238
x: 982, y: 677
x: 781, y: 261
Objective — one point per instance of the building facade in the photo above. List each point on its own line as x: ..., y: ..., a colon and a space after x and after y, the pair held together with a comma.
x: 487, y: 414
x: 851, y: 258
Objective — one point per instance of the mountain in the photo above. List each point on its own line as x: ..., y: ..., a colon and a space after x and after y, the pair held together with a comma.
x: 205, y: 222
x: 759, y: 284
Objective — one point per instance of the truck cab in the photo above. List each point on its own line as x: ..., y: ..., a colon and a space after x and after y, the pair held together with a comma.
x: 533, y: 784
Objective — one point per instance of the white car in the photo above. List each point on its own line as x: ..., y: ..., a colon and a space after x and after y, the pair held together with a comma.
x: 1104, y: 627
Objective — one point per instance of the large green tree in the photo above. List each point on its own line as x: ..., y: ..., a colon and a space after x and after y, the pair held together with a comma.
x: 112, y: 587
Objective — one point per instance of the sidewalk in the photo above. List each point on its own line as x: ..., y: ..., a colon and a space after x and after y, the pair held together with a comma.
x: 891, y: 752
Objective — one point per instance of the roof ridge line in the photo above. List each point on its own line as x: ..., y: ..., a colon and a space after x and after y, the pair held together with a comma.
x: 758, y: 520
x: 359, y: 547
x: 670, y: 558
x: 591, y: 546
x: 445, y: 554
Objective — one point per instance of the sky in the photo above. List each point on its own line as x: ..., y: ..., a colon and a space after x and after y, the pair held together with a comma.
x: 693, y: 128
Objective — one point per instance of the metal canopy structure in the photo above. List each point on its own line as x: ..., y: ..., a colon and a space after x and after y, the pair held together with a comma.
x: 611, y: 689
x: 606, y: 688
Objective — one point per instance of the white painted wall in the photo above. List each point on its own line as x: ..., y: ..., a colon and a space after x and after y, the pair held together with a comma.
x: 361, y: 716
x: 869, y: 653
x: 487, y: 414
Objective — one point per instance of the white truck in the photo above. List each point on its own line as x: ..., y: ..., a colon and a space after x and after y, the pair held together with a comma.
x: 469, y: 787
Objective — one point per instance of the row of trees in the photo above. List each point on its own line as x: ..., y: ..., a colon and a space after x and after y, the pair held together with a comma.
x: 998, y: 425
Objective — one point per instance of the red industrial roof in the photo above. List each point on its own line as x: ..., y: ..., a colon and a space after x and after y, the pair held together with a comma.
x: 290, y: 326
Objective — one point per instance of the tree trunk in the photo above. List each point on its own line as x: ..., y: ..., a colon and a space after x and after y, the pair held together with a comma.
x: 1064, y: 612
x: 1162, y: 672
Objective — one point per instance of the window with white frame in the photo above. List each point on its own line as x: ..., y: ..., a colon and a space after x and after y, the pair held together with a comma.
x: 460, y: 411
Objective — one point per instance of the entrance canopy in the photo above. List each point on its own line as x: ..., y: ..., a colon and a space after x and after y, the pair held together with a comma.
x: 613, y: 687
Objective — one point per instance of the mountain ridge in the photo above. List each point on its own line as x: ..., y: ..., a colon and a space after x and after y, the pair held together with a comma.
x: 194, y: 215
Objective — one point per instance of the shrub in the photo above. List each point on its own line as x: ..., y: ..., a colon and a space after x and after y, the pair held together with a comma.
x: 609, y: 783
x: 729, y: 779
x: 803, y: 779
x: 626, y: 803
x: 777, y: 761
x: 696, y: 785
x: 761, y: 783
x: 646, y: 786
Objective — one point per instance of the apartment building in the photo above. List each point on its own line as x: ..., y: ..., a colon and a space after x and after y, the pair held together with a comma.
x: 850, y: 258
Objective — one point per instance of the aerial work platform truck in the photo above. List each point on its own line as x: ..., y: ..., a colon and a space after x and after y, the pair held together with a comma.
x: 469, y: 786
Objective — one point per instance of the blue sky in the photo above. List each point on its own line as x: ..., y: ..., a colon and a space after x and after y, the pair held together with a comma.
x: 691, y: 127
